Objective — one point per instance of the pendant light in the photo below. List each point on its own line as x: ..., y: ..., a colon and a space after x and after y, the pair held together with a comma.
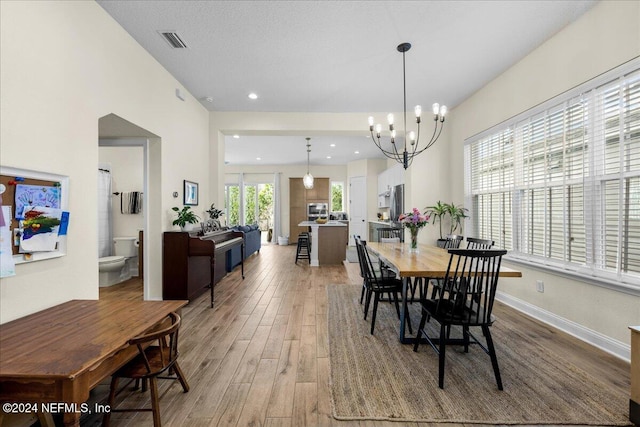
x: 307, y: 180
x: 404, y: 155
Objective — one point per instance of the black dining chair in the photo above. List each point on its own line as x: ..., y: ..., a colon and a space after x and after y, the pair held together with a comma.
x: 465, y: 300
x: 381, y: 269
x: 390, y: 233
x: 475, y: 243
x: 377, y: 284
x: 452, y: 241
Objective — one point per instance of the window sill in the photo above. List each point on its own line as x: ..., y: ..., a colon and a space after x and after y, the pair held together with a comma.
x: 614, y: 285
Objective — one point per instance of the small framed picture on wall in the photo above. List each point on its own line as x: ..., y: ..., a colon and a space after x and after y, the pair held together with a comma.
x: 190, y: 193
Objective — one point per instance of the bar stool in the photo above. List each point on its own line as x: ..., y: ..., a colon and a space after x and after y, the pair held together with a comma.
x: 304, y: 247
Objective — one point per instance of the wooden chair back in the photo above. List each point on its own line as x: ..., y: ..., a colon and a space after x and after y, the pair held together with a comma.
x: 158, y: 349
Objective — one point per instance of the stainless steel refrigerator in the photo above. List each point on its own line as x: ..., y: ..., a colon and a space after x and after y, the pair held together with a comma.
x: 397, y: 203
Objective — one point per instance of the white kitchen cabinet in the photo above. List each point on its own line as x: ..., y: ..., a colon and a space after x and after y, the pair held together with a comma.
x: 384, y: 189
x: 386, y: 181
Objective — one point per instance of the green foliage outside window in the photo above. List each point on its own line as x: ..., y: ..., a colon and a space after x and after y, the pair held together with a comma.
x: 265, y: 206
x: 336, y: 197
x: 250, y: 204
x: 233, y: 210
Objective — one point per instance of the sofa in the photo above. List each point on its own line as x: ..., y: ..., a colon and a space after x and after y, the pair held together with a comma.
x: 252, y: 244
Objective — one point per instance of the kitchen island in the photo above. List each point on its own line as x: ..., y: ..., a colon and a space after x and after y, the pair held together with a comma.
x: 328, y: 242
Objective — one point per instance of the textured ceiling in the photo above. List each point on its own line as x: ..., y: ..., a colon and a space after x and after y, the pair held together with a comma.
x: 339, y: 56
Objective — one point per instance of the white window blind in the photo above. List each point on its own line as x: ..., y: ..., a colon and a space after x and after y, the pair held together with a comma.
x: 559, y: 185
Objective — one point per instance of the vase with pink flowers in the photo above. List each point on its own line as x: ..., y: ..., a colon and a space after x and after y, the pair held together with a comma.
x: 414, y: 221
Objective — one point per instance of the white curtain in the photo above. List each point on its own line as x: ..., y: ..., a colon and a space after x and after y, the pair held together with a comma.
x: 104, y: 213
x: 276, y: 208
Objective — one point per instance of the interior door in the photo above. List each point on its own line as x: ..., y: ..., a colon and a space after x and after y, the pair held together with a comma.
x: 357, y: 208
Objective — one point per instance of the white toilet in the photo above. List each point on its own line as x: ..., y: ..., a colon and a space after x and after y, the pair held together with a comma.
x: 118, y: 268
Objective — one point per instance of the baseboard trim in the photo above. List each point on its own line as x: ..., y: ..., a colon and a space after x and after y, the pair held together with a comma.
x: 603, y: 342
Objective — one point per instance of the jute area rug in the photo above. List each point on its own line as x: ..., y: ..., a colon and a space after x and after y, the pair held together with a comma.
x: 375, y: 377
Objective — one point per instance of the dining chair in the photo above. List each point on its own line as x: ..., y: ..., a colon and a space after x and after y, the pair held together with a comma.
x: 475, y: 243
x: 452, y: 241
x: 466, y: 300
x: 383, y: 270
x: 377, y: 284
x: 157, y: 355
x: 390, y: 232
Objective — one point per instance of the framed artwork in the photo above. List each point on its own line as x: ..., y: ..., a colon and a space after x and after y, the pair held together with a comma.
x: 190, y: 193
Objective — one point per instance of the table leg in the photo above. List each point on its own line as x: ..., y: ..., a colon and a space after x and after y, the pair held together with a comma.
x: 46, y: 419
x: 71, y: 419
x: 405, y: 319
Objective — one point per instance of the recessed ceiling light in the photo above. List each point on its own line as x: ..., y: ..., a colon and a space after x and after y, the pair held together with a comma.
x: 258, y: 158
x: 356, y: 152
x: 236, y: 136
x: 253, y: 96
x: 332, y: 145
x: 328, y: 157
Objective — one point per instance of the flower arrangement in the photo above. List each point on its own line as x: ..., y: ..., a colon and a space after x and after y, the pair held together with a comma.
x: 414, y: 221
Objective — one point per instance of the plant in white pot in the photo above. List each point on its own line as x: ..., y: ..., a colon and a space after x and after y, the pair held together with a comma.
x: 450, y: 214
x: 186, y: 218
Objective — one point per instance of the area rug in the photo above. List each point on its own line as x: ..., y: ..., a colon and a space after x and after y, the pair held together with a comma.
x: 374, y: 377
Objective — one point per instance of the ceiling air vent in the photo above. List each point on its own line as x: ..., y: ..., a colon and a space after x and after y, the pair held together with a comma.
x: 173, y: 39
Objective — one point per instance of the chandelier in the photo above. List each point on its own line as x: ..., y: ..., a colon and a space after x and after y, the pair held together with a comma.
x: 307, y: 180
x: 406, y: 154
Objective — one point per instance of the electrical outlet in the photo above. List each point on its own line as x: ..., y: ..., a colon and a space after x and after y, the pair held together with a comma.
x: 539, y: 286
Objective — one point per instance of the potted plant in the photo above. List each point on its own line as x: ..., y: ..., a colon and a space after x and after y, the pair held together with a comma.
x: 214, y: 213
x: 457, y: 214
x: 441, y: 211
x: 185, y: 216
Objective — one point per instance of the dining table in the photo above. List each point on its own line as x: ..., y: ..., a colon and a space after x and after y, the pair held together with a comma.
x: 427, y: 262
x: 51, y: 359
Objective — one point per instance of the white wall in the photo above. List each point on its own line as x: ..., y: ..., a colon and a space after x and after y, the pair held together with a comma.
x: 606, y: 36
x: 127, y: 167
x: 64, y: 65
x: 254, y: 123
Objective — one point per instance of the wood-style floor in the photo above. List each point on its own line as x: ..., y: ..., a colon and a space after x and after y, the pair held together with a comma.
x: 261, y: 357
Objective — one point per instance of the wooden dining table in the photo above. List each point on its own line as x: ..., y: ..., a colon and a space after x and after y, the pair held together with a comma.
x: 428, y: 262
x: 53, y: 358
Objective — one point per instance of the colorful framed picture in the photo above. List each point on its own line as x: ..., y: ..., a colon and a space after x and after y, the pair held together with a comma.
x: 190, y: 193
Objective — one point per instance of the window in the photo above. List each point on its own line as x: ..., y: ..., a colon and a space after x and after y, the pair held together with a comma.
x: 559, y: 186
x: 337, y: 196
x: 232, y: 203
